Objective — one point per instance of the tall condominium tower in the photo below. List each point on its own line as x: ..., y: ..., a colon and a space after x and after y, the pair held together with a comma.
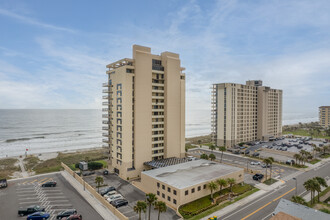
x: 243, y: 113
x: 145, y: 113
x: 324, y: 116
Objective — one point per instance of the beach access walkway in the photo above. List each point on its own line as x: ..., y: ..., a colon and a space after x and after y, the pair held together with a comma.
x: 24, y: 173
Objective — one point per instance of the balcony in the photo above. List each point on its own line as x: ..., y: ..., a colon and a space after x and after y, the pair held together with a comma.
x: 158, y: 103
x: 157, y: 110
x: 158, y: 90
x: 106, y: 91
x: 106, y: 122
x: 157, y: 97
x: 106, y: 103
x: 106, y: 96
x: 157, y: 129
x: 105, y: 109
x: 106, y: 84
x: 157, y: 122
x: 105, y: 140
x: 106, y: 116
x: 106, y: 135
x: 157, y: 142
x: 105, y: 128
x: 158, y: 116
x: 157, y: 135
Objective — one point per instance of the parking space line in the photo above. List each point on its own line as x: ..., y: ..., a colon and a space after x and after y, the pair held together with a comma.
x: 29, y: 202
x: 34, y: 181
x: 27, y: 198
x: 47, y: 180
x: 54, y: 197
x: 42, y: 180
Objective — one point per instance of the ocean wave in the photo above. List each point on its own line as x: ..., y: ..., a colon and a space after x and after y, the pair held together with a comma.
x: 23, y: 139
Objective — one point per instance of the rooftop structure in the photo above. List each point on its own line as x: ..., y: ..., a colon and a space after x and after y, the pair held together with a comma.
x: 165, y: 162
x: 300, y: 211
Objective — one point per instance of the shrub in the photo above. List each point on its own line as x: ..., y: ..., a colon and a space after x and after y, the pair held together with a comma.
x: 95, y: 165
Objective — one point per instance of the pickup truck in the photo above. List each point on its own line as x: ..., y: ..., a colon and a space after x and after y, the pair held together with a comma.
x: 30, y: 210
x: 3, y: 183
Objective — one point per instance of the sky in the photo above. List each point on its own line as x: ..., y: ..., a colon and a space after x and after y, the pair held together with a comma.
x: 53, y: 53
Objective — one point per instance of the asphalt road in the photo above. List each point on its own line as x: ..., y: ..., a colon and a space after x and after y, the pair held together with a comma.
x: 25, y: 192
x: 263, y: 207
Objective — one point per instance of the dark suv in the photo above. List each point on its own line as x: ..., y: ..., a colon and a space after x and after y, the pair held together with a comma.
x: 49, y: 184
x: 106, y: 190
x: 119, y: 202
x: 258, y: 176
x: 66, y: 213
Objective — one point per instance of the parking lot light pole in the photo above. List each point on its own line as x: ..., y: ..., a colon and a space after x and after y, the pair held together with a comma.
x: 296, y: 185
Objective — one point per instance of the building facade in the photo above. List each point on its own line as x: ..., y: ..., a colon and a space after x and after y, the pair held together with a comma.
x: 183, y: 183
x: 243, y: 113
x: 324, y: 116
x: 144, y: 116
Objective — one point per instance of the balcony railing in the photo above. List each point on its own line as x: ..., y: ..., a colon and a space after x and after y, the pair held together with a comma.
x: 105, y: 140
x: 106, y: 91
x: 105, y: 84
x: 105, y: 109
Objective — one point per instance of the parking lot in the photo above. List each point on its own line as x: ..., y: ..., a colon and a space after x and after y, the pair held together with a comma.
x: 131, y: 194
x: 278, y: 171
x: 26, y: 192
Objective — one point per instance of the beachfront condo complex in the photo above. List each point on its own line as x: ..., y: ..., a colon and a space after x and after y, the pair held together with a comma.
x: 245, y: 113
x: 324, y: 116
x: 144, y: 117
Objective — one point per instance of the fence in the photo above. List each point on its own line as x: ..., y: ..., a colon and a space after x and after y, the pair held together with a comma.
x: 94, y: 193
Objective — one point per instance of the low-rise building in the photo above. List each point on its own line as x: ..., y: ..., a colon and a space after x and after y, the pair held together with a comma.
x: 185, y: 182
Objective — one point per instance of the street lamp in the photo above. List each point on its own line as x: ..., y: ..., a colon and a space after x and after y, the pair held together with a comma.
x: 294, y: 178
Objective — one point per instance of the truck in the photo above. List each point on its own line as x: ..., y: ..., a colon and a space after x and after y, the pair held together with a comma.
x: 30, y: 210
x: 3, y: 183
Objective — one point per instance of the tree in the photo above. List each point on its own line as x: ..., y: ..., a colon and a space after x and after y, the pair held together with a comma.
x: 327, y: 131
x: 140, y: 206
x: 231, y: 182
x: 271, y: 160
x: 212, y: 157
x: 212, y: 186
x: 212, y: 147
x: 321, y: 182
x: 299, y: 200
x: 150, y: 199
x: 204, y: 156
x: 296, y: 157
x: 222, y: 183
x: 267, y: 162
x: 161, y: 207
x: 99, y: 181
x: 222, y: 149
x: 314, y: 149
x: 200, y: 143
x: 310, y: 186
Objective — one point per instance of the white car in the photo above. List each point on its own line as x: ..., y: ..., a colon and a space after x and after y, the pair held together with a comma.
x: 106, y: 196
x: 255, y: 163
x: 115, y: 197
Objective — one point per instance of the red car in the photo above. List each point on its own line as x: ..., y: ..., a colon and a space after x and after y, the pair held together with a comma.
x: 73, y: 217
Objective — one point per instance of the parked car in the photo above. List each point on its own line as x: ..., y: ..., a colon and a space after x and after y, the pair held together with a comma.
x: 73, y: 217
x: 247, y: 152
x: 256, y: 154
x: 106, y: 190
x: 300, y: 147
x: 3, y: 183
x: 66, y: 213
x: 115, y: 197
x: 264, y: 165
x: 49, y: 184
x: 255, y: 163
x: 258, y: 176
x: 236, y: 152
x: 88, y: 173
x: 105, y: 172
x: 38, y: 216
x: 110, y: 194
x: 30, y: 210
x: 119, y: 202
x: 289, y: 162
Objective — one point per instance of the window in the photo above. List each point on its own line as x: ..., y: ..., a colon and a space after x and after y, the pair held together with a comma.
x: 204, y: 187
x: 119, y: 121
x: 192, y: 190
x: 158, y: 185
x: 163, y: 195
x: 168, y: 198
x: 163, y: 187
x: 186, y: 192
x: 119, y: 101
x: 174, y: 192
x: 199, y: 188
x: 158, y: 193
x: 119, y: 93
x: 119, y: 108
x: 119, y: 135
x: 119, y: 114
x: 174, y: 201
x: 168, y: 189
x: 119, y: 86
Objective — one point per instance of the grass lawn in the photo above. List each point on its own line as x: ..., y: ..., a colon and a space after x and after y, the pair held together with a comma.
x: 303, y: 132
x: 299, y: 166
x: 314, y: 161
x: 205, y: 201
x: 270, y: 181
x: 53, y: 165
x: 325, y: 156
x: 30, y: 162
x: 223, y: 205
x: 7, y: 167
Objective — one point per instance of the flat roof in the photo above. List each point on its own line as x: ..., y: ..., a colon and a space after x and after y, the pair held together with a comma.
x: 165, y: 162
x: 300, y: 211
x: 191, y: 173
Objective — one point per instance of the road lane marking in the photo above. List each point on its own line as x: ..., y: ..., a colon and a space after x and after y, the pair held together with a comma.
x: 268, y: 204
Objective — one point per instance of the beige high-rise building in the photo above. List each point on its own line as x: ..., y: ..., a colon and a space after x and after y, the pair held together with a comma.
x: 145, y: 114
x: 324, y: 116
x: 244, y: 113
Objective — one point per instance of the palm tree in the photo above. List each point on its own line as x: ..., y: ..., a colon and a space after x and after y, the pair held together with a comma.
x: 222, y: 149
x: 200, y: 143
x: 231, y: 182
x: 271, y: 160
x: 267, y: 162
x: 161, y: 207
x: 299, y: 200
x: 296, y: 157
x: 212, y: 157
x: 99, y: 181
x: 310, y: 186
x: 222, y: 183
x: 212, y: 186
x: 314, y: 149
x: 321, y: 182
x: 212, y: 147
x: 150, y: 199
x: 204, y: 156
x: 140, y: 206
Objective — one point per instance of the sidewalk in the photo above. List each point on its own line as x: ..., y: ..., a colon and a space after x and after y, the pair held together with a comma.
x: 235, y: 205
x: 23, y: 171
x: 103, y: 211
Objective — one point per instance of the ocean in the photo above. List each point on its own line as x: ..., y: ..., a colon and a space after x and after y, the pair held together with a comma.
x: 42, y: 131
